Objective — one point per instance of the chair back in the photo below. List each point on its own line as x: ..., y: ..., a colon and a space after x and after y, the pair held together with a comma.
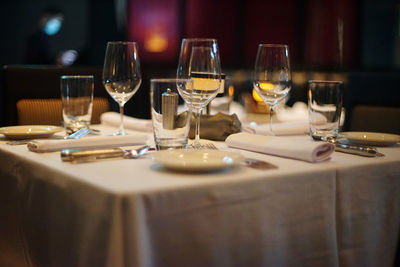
x: 49, y: 111
x: 39, y: 82
x: 372, y: 102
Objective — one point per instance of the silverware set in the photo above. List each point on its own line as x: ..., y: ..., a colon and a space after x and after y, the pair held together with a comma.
x: 365, y: 151
x: 88, y: 155
x: 249, y: 162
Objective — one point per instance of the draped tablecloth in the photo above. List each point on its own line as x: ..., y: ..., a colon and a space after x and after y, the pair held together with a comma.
x: 343, y: 212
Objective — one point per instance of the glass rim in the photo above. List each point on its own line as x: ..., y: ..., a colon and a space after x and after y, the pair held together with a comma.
x: 122, y: 42
x: 200, y: 39
x: 77, y: 77
x: 273, y: 45
x: 325, y: 81
x: 168, y: 80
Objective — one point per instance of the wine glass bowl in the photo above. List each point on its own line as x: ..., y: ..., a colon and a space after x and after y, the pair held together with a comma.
x: 121, y: 74
x: 199, y: 62
x: 272, y: 75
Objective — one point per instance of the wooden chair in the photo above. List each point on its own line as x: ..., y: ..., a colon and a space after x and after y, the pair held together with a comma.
x: 49, y: 111
x: 36, y: 89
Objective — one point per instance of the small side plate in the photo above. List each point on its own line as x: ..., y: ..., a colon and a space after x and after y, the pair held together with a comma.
x: 197, y: 160
x: 30, y: 131
x: 371, y: 138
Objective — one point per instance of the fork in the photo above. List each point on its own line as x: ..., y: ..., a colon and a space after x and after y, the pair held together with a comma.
x: 78, y: 134
x: 249, y: 162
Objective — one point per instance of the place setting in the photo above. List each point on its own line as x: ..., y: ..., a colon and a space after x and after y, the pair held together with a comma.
x: 325, y: 105
x: 180, y: 105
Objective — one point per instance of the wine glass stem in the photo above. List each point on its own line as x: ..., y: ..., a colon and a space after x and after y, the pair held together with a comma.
x: 121, y: 126
x: 271, y: 112
x: 197, y: 113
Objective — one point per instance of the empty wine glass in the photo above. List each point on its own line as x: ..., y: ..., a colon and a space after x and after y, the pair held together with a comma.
x: 199, y: 61
x: 121, y: 74
x: 272, y: 78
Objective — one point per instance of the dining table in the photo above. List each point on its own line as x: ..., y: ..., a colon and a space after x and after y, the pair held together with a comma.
x: 341, y: 212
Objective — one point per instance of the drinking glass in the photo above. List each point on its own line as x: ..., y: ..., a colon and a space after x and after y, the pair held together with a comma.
x: 221, y: 103
x: 170, y: 116
x: 272, y: 78
x: 121, y: 74
x: 199, y: 61
x: 325, y: 101
x: 77, y: 101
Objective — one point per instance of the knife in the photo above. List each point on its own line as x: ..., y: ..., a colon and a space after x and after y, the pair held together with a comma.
x: 366, y: 151
x: 87, y: 155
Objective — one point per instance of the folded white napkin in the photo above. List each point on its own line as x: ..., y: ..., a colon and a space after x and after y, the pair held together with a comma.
x: 130, y: 123
x: 287, y: 147
x: 298, y: 112
x: 43, y: 145
x: 287, y: 128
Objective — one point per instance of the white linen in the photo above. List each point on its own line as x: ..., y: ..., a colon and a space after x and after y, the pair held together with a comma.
x: 294, y: 148
x: 130, y: 123
x: 279, y: 129
x: 120, y: 213
x: 297, y: 113
x: 43, y: 145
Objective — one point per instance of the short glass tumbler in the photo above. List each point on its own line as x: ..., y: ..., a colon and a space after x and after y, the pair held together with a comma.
x: 325, y: 101
x: 170, y: 115
x: 77, y: 101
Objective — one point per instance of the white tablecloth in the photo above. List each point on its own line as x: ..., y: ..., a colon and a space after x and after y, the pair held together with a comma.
x: 345, y: 212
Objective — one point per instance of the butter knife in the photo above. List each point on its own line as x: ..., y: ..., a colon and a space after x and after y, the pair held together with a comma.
x: 86, y: 155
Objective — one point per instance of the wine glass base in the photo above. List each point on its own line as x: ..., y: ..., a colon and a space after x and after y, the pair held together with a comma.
x: 196, y: 146
x: 118, y: 133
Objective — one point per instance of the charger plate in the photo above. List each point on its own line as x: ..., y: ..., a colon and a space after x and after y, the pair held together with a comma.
x: 371, y: 138
x: 197, y: 160
x: 30, y: 131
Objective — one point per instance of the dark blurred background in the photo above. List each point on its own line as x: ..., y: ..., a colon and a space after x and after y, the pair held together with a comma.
x: 325, y: 36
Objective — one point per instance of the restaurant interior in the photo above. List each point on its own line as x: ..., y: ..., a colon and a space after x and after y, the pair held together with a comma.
x: 355, y: 41
x: 248, y: 194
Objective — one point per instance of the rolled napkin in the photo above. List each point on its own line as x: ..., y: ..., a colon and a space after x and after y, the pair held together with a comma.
x: 287, y: 147
x: 287, y: 128
x: 130, y: 123
x: 43, y: 145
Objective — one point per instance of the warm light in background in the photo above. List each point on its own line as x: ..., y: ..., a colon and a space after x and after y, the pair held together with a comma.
x: 154, y: 25
x: 156, y: 43
x: 256, y: 96
x: 266, y: 86
x: 231, y: 90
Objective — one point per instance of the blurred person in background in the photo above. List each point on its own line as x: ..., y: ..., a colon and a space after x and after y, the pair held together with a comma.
x: 39, y: 50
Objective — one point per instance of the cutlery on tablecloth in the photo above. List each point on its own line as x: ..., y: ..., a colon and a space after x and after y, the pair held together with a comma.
x: 76, y: 135
x: 249, y: 162
x: 365, y: 151
x: 87, y: 155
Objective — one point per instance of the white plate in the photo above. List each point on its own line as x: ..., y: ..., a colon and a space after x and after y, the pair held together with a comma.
x: 372, y: 139
x: 196, y: 160
x: 30, y: 131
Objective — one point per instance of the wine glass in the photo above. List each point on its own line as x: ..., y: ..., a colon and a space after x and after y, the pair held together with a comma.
x: 272, y: 77
x: 199, y: 62
x: 121, y: 74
